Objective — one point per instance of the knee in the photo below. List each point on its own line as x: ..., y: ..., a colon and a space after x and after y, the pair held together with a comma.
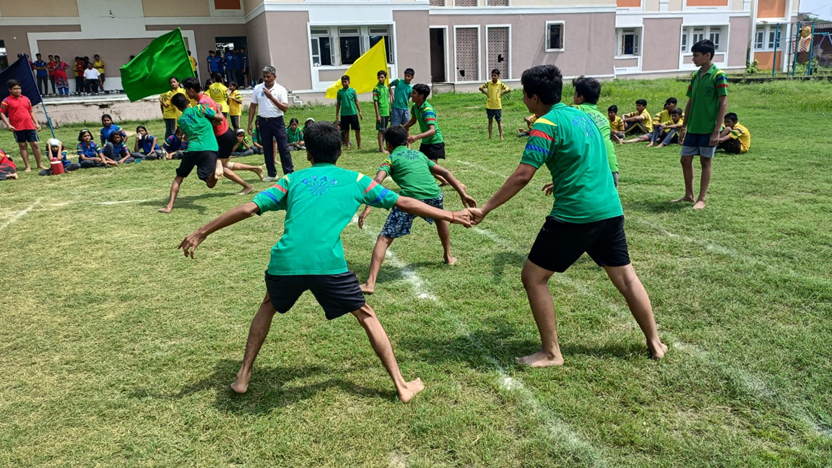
x: 685, y: 161
x: 365, y: 314
x: 532, y: 279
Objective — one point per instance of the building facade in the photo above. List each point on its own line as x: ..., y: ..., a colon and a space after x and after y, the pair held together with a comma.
x: 455, y: 42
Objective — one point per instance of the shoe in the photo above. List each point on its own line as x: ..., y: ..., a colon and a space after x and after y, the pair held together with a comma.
x: 270, y: 179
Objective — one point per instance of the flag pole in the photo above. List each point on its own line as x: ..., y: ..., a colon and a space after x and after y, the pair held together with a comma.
x: 48, y: 120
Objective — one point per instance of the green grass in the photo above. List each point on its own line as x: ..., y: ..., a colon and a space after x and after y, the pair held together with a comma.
x: 117, y: 351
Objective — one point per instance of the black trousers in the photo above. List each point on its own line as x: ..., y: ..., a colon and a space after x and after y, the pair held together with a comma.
x: 43, y: 85
x: 275, y: 129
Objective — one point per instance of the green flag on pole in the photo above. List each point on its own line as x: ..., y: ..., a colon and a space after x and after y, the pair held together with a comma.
x: 149, y: 72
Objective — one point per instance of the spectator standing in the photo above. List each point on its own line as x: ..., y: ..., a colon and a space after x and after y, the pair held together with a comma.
x: 17, y: 113
x: 79, y: 75
x: 230, y: 65
x: 60, y: 79
x: 245, y: 68
x: 99, y: 65
x: 42, y: 74
x: 268, y: 102
x: 50, y: 68
x: 193, y: 65
x: 170, y: 112
x: 214, y: 63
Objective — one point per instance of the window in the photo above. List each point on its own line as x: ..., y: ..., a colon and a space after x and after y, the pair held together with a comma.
x: 321, y: 47
x: 758, y: 41
x: 349, y: 42
x: 629, y: 41
x: 554, y: 36
x: 693, y: 34
x: 766, y: 36
x: 376, y: 34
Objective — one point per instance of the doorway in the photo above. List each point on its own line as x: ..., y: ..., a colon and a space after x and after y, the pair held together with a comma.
x: 437, y: 55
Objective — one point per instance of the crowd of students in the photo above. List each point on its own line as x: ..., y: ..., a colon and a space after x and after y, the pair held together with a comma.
x: 232, y: 64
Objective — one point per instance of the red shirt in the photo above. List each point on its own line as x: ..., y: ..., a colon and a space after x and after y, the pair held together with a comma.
x: 19, y: 111
x: 221, y: 128
x: 5, y: 160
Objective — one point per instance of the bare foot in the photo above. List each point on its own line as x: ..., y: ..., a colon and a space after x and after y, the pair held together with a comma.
x: 660, y: 145
x: 657, y: 352
x: 241, y: 384
x: 699, y: 205
x: 164, y: 210
x: 450, y: 260
x: 367, y: 289
x: 259, y: 172
x: 410, y: 390
x: 28, y: 169
x: 246, y: 190
x: 683, y: 199
x: 540, y: 359
x: 650, y: 145
x: 13, y: 175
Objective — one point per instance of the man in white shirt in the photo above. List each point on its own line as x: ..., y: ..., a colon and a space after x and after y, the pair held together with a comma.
x: 268, y: 102
x: 91, y: 78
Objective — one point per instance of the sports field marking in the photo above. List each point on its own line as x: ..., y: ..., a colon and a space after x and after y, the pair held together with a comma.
x: 118, y: 202
x: 481, y: 169
x: 19, y: 215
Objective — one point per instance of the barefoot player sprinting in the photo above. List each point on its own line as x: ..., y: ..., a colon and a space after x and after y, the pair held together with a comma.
x: 586, y: 216
x: 319, y: 203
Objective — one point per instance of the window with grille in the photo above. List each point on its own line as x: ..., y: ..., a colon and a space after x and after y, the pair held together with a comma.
x: 759, y: 41
x: 465, y: 3
x: 437, y: 3
x: 629, y: 41
x: 498, y: 52
x: 692, y: 35
x: 713, y: 35
x: 554, y: 36
x: 467, y: 54
x: 497, y: 3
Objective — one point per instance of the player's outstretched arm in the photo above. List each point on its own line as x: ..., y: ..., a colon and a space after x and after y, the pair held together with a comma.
x: 415, y: 207
x: 461, y: 189
x: 514, y: 184
x: 234, y: 215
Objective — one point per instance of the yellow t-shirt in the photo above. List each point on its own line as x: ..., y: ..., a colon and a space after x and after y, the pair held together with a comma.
x: 99, y: 65
x: 494, y: 91
x: 617, y: 125
x: 219, y: 93
x: 646, y: 121
x: 235, y: 108
x: 193, y: 63
x: 744, y: 136
x: 171, y: 112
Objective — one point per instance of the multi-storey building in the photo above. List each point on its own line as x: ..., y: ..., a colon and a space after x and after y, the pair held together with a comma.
x: 312, y: 42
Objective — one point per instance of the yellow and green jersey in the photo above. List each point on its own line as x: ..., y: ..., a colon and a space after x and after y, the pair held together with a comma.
x: 426, y: 116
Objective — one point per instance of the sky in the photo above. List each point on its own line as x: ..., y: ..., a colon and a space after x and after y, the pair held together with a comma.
x: 822, y: 8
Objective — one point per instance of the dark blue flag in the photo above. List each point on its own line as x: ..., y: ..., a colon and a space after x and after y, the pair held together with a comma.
x: 21, y: 71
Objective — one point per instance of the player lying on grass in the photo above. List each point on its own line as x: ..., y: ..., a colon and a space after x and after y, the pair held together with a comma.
x: 586, y: 216
x: 414, y: 173
x: 319, y: 201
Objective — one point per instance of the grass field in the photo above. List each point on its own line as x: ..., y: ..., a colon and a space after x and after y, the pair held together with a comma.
x: 117, y: 351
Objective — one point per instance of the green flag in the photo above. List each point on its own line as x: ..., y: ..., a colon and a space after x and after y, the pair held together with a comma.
x: 149, y: 72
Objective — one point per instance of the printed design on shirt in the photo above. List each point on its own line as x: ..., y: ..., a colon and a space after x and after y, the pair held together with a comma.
x: 584, y: 124
x: 319, y: 185
x: 410, y: 154
x: 709, y: 91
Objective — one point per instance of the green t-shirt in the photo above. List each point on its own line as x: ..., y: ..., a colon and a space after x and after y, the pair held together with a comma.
x: 401, y: 93
x: 411, y: 170
x: 319, y: 201
x: 347, y: 99
x: 295, y: 135
x: 426, y: 115
x: 195, y: 122
x: 571, y: 146
x: 704, y: 96
x: 381, y: 94
x: 255, y: 136
x: 603, y: 123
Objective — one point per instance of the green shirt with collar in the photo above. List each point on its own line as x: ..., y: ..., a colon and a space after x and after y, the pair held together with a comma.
x: 410, y: 169
x: 704, y: 92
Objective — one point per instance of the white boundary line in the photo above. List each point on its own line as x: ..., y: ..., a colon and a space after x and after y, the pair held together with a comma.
x: 19, y: 215
x: 481, y: 169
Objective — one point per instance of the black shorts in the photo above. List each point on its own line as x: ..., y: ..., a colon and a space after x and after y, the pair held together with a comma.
x: 433, y: 150
x: 338, y: 294
x: 205, y: 162
x: 26, y: 136
x: 495, y: 114
x: 732, y: 145
x: 560, y: 244
x: 349, y: 121
x: 226, y: 142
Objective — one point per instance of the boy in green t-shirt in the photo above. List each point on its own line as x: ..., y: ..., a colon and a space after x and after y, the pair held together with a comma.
x: 319, y: 202
x: 413, y: 172
x: 433, y: 145
x: 402, y: 90
x: 707, y: 101
x: 587, y: 93
x: 586, y: 215
x: 347, y: 107
x: 381, y: 101
x: 196, y: 123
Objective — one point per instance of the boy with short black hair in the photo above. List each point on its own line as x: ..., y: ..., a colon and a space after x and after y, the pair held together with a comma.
x: 638, y: 121
x: 433, y: 145
x: 673, y: 131
x: 414, y: 174
x: 319, y: 202
x: 734, y: 138
x: 616, y: 124
x: 17, y: 113
x: 707, y: 101
x: 494, y: 90
x: 586, y: 215
x: 662, y: 119
x: 349, y: 109
x: 587, y: 93
x: 381, y: 102
x: 401, y: 89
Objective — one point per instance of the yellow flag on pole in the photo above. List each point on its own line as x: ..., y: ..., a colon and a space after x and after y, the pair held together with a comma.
x: 363, y: 72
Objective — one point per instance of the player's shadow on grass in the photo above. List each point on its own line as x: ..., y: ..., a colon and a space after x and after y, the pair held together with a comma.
x: 656, y: 206
x: 270, y: 388
x: 391, y: 274
x: 187, y: 203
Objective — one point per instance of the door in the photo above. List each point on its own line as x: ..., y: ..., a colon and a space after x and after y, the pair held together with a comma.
x: 498, y: 53
x: 467, y: 54
x: 437, y: 55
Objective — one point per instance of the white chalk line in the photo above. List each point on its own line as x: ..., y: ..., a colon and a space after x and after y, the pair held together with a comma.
x: 557, y: 428
x: 19, y: 215
x: 481, y: 169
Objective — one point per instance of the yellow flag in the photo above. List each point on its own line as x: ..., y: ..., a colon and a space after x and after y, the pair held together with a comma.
x: 363, y: 72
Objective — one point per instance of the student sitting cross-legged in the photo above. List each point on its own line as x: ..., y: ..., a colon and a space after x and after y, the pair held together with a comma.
x: 115, y: 151
x: 176, y: 144
x: 89, y: 153
x: 414, y: 173
x: 319, y: 203
x: 616, y: 124
x: 638, y: 121
x: 734, y: 138
x: 55, y: 150
x: 146, y: 146
x: 673, y: 131
x: 241, y: 147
